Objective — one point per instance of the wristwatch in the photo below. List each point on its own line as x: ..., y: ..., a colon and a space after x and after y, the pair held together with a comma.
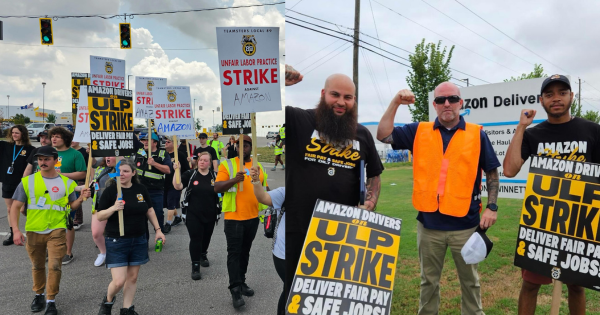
x: 492, y: 206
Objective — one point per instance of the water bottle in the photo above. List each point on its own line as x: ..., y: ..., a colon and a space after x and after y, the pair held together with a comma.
x: 158, y: 247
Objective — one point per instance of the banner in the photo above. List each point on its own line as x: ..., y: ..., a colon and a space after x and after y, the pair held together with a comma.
x: 111, y: 121
x: 558, y: 234
x: 77, y: 79
x: 82, y: 127
x: 249, y: 69
x: 144, y: 107
x: 173, y: 112
x: 348, y: 262
x: 235, y: 124
x: 107, y: 72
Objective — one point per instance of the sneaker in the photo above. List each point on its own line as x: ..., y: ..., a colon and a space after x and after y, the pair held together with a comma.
x: 67, y: 259
x: 204, y: 261
x: 100, y: 260
x: 245, y: 289
x: 39, y: 303
x: 166, y: 229
x: 77, y: 226
x: 282, y: 167
x: 183, y: 216
x: 236, y: 297
x: 129, y: 311
x: 274, y: 168
x: 196, y: 271
x: 106, y: 307
x: 51, y: 309
x: 176, y: 221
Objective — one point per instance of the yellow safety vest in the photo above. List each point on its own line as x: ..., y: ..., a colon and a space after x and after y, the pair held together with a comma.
x: 278, y: 150
x: 282, y: 132
x: 53, y: 214
x: 229, y: 196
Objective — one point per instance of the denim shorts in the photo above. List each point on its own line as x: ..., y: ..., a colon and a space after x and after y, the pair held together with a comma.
x: 126, y: 251
x: 171, y: 199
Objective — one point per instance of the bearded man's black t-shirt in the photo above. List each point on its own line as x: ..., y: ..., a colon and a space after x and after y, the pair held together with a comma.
x: 577, y: 139
x: 318, y: 171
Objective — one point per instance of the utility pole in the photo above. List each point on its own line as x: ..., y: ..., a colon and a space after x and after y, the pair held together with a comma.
x: 578, y: 112
x: 466, y: 80
x: 355, y: 59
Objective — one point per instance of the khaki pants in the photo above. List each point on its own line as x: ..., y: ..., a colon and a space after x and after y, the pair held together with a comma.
x: 56, y: 243
x: 433, y: 245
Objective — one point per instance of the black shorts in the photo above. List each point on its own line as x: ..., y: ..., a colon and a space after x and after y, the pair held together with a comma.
x: 8, y: 191
x: 283, y: 141
x: 171, y: 199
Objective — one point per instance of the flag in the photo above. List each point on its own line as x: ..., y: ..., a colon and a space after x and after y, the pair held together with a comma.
x: 30, y: 105
x: 35, y: 109
x: 23, y: 107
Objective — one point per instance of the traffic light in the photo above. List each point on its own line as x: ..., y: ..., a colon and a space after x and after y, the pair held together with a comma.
x: 46, y: 31
x: 125, y: 35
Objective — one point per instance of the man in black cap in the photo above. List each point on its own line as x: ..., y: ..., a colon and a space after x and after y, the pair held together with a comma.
x: 47, y: 196
x: 546, y: 139
x: 204, y: 147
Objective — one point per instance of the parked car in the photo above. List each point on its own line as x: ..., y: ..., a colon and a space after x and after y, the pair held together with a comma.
x: 35, y: 129
x: 272, y: 134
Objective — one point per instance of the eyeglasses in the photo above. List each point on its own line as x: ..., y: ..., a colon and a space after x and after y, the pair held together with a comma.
x: 441, y: 100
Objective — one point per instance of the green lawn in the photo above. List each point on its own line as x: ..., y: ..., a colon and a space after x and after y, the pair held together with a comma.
x: 500, y: 279
x: 267, y: 155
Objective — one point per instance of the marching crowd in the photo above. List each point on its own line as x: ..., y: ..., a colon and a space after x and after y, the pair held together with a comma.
x: 47, y: 185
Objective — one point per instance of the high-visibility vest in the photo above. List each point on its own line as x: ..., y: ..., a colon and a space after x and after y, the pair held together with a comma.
x: 445, y: 180
x: 218, y: 148
x: 282, y: 133
x: 152, y: 179
x: 53, y: 214
x: 97, y: 174
x: 278, y: 150
x: 229, y: 196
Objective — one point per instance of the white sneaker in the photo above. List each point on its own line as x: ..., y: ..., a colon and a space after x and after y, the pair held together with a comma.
x: 77, y: 226
x: 100, y: 260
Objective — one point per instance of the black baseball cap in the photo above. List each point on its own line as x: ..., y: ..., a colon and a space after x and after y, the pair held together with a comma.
x: 203, y: 135
x: 44, y: 133
x: 555, y: 78
x: 46, y: 151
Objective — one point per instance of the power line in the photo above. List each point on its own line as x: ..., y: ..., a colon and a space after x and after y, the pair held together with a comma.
x: 131, y: 15
x: 382, y: 60
x: 328, y: 60
x: 514, y: 40
x: 367, y: 43
x: 303, y: 60
x: 459, y: 45
x: 373, y: 79
x: 297, y: 3
x: 472, y: 31
x: 331, y: 52
x: 116, y: 47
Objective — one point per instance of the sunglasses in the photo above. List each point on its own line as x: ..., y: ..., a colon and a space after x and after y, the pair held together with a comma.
x: 441, y: 100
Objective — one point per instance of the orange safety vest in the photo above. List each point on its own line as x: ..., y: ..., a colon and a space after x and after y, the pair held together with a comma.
x: 444, y: 181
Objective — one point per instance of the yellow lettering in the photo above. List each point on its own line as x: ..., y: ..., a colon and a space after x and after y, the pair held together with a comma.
x: 347, y: 153
x: 316, y: 148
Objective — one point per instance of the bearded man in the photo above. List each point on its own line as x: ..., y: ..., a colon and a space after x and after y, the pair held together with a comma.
x: 325, y: 147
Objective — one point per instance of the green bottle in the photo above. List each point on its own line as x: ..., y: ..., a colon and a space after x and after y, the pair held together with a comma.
x: 158, y: 247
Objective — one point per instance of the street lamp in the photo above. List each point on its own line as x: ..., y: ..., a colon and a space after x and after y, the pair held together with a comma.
x: 466, y: 80
x: 43, y: 101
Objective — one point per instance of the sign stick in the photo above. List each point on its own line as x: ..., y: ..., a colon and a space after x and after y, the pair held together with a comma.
x: 120, y: 196
x: 241, y: 156
x: 149, y: 143
x: 89, y: 170
x: 556, y: 295
x: 187, y: 146
x: 254, y: 156
x: 177, y: 171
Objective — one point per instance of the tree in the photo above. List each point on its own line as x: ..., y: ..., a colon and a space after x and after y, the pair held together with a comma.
x: 575, y: 108
x: 20, y: 119
x: 140, y: 126
x: 592, y: 115
x: 218, y: 128
x: 51, y: 118
x: 430, y: 67
x: 538, y: 72
x: 198, y: 124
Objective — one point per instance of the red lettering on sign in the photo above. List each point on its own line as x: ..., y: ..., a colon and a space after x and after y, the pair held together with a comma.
x: 82, y: 117
x: 273, y: 75
x: 226, y: 75
x: 247, y: 77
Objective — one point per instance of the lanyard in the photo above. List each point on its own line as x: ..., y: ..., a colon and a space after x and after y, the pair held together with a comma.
x: 17, y: 155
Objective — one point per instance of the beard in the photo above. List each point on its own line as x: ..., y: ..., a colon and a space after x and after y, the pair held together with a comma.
x: 334, y: 129
x: 558, y: 115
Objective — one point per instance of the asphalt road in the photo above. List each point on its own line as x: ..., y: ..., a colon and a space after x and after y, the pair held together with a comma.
x: 164, y: 284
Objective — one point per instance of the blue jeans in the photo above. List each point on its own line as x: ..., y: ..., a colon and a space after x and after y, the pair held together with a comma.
x: 157, y: 197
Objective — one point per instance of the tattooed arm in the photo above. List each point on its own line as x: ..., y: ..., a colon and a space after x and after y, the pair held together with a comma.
x: 493, y: 182
x: 373, y: 188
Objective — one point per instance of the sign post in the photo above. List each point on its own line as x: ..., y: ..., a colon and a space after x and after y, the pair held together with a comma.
x: 177, y: 171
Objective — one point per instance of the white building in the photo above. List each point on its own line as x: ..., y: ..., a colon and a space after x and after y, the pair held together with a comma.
x: 34, y: 115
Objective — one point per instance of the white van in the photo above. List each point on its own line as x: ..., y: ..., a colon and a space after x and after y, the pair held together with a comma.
x: 35, y: 129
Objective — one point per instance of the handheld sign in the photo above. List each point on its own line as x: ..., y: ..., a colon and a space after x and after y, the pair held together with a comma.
x: 82, y: 128
x: 109, y: 72
x: 233, y: 122
x: 348, y: 262
x: 173, y: 112
x: 111, y: 121
x: 144, y: 97
x: 249, y: 69
x: 77, y: 79
x: 558, y: 233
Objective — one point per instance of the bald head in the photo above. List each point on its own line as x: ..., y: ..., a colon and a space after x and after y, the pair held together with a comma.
x: 446, y: 89
x: 340, y: 80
